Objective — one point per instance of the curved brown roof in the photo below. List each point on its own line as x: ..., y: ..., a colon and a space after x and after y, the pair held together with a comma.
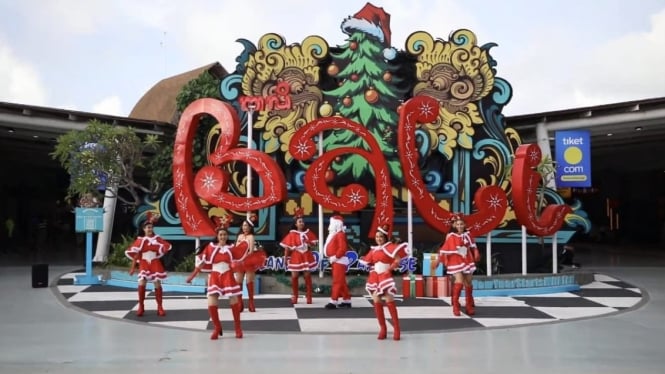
x: 159, y: 103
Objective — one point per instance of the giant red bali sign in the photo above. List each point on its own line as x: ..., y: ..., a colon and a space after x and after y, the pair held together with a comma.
x: 210, y: 183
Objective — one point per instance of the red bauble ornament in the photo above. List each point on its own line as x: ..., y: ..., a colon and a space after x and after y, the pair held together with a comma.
x: 347, y: 101
x: 330, y: 175
x: 354, y: 77
x: 353, y: 46
x: 387, y: 76
x: 333, y: 69
x: 371, y: 96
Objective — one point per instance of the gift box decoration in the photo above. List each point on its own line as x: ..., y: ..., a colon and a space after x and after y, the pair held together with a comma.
x: 437, y: 286
x: 413, y: 286
x: 428, y: 260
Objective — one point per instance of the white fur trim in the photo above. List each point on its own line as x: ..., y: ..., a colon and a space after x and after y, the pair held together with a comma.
x: 350, y: 25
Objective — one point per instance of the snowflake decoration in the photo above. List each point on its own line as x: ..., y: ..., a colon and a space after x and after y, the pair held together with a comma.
x: 533, y: 155
x: 208, y: 181
x: 495, y: 202
x: 426, y: 109
x: 302, y: 148
x: 355, y: 197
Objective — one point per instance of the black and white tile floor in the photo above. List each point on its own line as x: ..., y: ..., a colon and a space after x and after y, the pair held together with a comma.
x: 276, y: 314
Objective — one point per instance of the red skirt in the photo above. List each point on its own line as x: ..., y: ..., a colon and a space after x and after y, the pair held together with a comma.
x: 300, y: 261
x: 380, y: 284
x: 223, y: 284
x: 252, y: 263
x: 151, y: 271
x: 455, y: 263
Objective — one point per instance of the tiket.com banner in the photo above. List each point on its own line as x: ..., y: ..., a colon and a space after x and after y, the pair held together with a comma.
x: 573, y: 158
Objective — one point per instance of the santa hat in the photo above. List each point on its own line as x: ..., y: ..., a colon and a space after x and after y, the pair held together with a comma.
x: 385, y: 230
x: 375, y: 22
x: 336, y: 223
x: 298, y: 213
x: 222, y: 222
x: 151, y: 218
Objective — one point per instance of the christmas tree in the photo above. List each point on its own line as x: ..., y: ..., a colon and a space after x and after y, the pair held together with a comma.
x: 368, y: 93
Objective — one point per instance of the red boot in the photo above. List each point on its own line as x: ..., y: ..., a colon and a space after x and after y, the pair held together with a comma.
x: 250, y: 292
x: 141, y: 290
x: 158, y: 296
x: 457, y: 289
x: 235, y: 308
x: 308, y: 286
x: 294, y: 290
x: 470, y: 303
x: 392, y: 308
x: 213, y: 310
x: 381, y: 317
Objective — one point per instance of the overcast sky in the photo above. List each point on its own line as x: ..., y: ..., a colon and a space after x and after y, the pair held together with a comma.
x: 102, y: 56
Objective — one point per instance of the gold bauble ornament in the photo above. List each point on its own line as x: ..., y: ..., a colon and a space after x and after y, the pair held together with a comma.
x: 326, y: 110
x: 371, y: 96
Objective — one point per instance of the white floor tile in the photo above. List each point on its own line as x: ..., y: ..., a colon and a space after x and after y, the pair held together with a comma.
x: 557, y: 294
x: 426, y: 312
x: 495, y: 322
x: 261, y: 314
x: 566, y: 313
x: 616, y: 302
x: 103, y: 296
x: 71, y: 288
x: 198, y: 325
x: 340, y: 325
x: 604, y: 278
x: 597, y: 284
x: 177, y: 304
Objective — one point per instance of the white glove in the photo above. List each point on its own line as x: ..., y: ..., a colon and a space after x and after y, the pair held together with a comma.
x: 332, y: 259
x: 363, y: 262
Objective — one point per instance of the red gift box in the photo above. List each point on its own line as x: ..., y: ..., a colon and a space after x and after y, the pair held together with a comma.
x: 419, y: 286
x: 437, y: 286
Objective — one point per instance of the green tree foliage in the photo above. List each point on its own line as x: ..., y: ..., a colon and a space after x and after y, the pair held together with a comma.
x: 106, y: 153
x: 204, y: 86
x: 368, y: 94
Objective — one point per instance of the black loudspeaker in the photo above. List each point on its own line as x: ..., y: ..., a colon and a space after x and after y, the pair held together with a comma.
x: 39, y: 275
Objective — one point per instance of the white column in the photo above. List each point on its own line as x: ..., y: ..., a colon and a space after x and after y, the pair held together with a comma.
x: 250, y: 129
x: 104, y: 237
x: 543, y: 140
x: 322, y: 238
x: 555, y: 257
x: 524, y: 250
x: 488, y: 254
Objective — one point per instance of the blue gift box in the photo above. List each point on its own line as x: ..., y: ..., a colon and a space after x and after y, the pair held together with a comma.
x: 428, y: 259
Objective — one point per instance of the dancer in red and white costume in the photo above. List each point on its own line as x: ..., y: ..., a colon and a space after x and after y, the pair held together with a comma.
x: 147, y: 251
x: 335, y: 248
x: 383, y: 259
x: 219, y: 257
x: 253, y: 259
x: 300, y: 258
x: 459, y: 255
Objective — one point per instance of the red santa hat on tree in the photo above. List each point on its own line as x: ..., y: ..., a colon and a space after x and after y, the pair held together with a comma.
x: 374, y: 21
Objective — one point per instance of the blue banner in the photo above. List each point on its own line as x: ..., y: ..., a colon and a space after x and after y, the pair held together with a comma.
x: 573, y: 158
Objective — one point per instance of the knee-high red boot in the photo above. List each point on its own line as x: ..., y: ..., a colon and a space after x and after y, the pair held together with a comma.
x: 381, y: 317
x: 294, y: 289
x: 457, y: 289
x: 235, y: 308
x: 141, y: 291
x: 392, y: 308
x: 250, y: 293
x: 470, y: 303
x: 213, y: 310
x: 308, y: 286
x: 158, y: 296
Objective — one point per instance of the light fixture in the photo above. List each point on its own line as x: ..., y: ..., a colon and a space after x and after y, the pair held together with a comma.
x: 638, y: 128
x: 35, y: 136
x: 11, y: 130
x: 609, y: 134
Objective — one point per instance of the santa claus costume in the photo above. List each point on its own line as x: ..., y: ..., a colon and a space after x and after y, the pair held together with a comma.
x: 299, y: 257
x: 147, y: 251
x: 218, y: 257
x: 459, y: 255
x: 335, y: 249
x: 251, y: 261
x: 382, y: 260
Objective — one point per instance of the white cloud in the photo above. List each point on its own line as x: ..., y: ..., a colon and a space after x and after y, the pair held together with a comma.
x: 19, y: 81
x: 626, y: 68
x: 111, y: 105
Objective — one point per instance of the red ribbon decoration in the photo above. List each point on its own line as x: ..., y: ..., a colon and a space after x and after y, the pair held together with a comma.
x: 491, y: 201
x: 525, y: 181
x: 354, y: 196
x: 210, y: 182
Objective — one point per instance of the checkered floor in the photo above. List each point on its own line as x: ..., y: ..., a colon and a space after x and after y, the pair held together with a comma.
x: 276, y: 314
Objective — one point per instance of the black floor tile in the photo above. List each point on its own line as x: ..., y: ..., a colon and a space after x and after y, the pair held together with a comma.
x: 567, y: 302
